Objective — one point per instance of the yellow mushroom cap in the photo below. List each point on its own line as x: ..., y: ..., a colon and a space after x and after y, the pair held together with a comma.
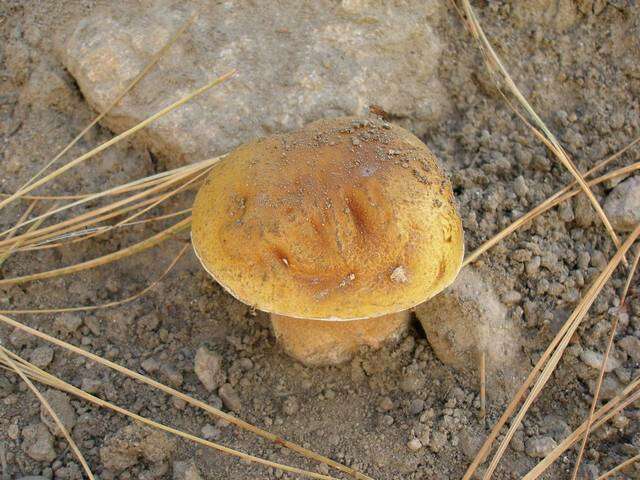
x: 347, y: 218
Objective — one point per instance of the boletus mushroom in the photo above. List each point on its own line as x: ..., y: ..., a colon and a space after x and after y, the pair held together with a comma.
x: 337, y: 230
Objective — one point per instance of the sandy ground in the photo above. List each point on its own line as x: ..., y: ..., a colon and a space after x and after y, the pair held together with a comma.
x: 578, y: 64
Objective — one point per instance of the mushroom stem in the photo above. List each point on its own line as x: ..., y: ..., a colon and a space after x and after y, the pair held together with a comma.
x: 317, y: 342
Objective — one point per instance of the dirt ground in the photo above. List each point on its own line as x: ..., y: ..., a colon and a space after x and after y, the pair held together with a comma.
x: 577, y: 62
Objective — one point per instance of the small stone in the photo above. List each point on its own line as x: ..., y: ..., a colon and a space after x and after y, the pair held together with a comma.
x: 62, y: 407
x: 540, y: 447
x: 67, y: 323
x: 594, y: 360
x: 229, y: 397
x: 414, y: 445
x: 511, y: 298
x: 42, y: 356
x: 91, y: 385
x: 20, y: 338
x: 411, y: 382
x: 6, y: 387
x: 173, y: 375
x: 133, y: 443
x: 38, y: 443
x: 186, y: 471
x: 150, y: 365
x: 631, y: 345
x: 416, y: 406
x: 290, y: 406
x: 208, y: 368
x: 386, y: 404
x: 209, y: 432
x: 622, y: 205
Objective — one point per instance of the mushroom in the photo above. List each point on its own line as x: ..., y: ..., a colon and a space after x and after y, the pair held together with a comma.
x: 337, y: 230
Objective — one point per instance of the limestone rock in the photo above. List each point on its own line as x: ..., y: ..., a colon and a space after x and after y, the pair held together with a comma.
x: 468, y: 318
x: 622, y: 205
x: 295, y: 66
x: 208, y: 368
x: 62, y: 407
x: 134, y: 443
x: 38, y: 443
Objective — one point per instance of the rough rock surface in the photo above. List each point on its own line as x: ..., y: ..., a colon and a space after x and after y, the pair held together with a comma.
x: 294, y: 66
x: 133, y: 443
x: 208, y: 368
x: 61, y: 405
x: 622, y: 205
x: 38, y: 443
x: 467, y: 319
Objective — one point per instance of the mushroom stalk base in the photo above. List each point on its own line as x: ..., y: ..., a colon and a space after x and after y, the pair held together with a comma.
x: 317, y: 342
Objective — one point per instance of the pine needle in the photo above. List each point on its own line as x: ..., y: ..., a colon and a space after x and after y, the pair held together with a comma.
x: 105, y: 259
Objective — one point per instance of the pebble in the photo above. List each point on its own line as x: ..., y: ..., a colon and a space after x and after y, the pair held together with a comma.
x: 186, y: 471
x: 414, y: 445
x: 173, y: 375
x: 67, y: 323
x: 594, y: 360
x: 91, y: 385
x: 290, y: 406
x: 209, y: 432
x: 622, y: 205
x: 229, y: 397
x: 416, y: 406
x: 631, y: 345
x: 386, y: 404
x: 539, y: 447
x: 208, y: 368
x: 21, y: 339
x: 411, y: 382
x: 42, y: 356
x: 150, y: 365
x: 38, y: 443
x: 62, y: 407
x: 6, y: 387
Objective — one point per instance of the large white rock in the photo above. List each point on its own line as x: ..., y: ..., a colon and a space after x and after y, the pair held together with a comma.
x: 467, y: 319
x: 296, y: 64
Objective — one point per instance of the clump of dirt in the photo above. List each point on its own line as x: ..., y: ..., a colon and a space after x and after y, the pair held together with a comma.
x: 399, y: 412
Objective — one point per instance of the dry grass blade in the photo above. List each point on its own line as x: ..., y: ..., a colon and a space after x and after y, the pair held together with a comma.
x: 7, y: 253
x: 115, y: 303
x: 620, y: 467
x: 190, y: 400
x: 22, y: 218
x: 596, y: 396
x: 555, y: 199
x: 494, y: 61
x: 5, y: 357
x: 629, y: 395
x: 119, y: 137
x: 152, y: 63
x: 74, y: 237
x: 565, y: 334
x: 549, y: 203
x: 105, y: 259
x: 149, y: 185
x: 28, y: 369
